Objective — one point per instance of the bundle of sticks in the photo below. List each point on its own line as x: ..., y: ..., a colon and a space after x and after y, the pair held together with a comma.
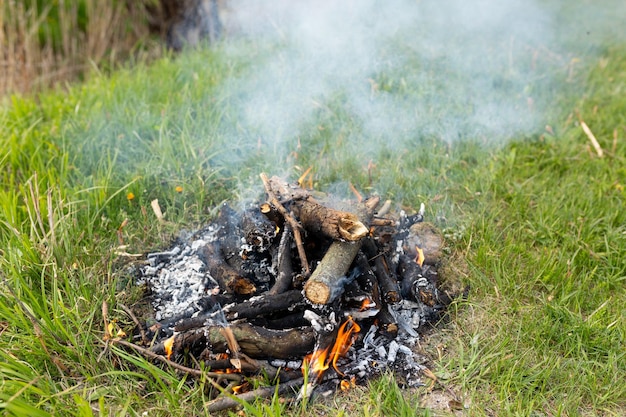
x: 289, y: 271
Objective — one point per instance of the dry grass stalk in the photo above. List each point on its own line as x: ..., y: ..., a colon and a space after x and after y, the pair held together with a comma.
x: 34, y: 55
x: 592, y: 138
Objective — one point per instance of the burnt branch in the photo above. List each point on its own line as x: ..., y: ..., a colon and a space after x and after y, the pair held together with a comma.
x: 289, y: 219
x: 226, y: 276
x: 256, y: 342
x: 264, y: 304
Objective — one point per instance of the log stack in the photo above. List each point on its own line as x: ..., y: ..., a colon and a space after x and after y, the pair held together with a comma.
x: 291, y: 271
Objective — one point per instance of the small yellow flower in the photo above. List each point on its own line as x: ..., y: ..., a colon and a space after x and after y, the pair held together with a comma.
x: 179, y: 189
x: 130, y: 196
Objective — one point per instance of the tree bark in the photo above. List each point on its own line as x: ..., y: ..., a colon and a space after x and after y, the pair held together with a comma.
x: 335, y: 224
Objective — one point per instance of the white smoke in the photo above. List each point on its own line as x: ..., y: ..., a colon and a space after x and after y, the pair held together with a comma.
x: 402, y: 69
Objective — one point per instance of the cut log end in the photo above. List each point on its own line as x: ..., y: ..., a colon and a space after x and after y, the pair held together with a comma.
x: 317, y: 292
x: 351, y: 228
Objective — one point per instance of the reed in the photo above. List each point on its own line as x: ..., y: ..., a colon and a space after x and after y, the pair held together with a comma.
x: 43, y: 44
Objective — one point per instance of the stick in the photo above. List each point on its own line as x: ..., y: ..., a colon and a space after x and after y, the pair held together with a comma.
x: 232, y: 401
x: 292, y: 222
x: 284, y: 268
x: 144, y: 337
x: 264, y: 304
x: 194, y: 372
x: 592, y: 138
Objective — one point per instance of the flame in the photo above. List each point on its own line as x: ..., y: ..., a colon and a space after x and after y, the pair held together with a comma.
x: 367, y: 304
x: 320, y: 360
x: 168, y: 345
x: 419, y: 258
x: 346, y: 385
x: 240, y: 389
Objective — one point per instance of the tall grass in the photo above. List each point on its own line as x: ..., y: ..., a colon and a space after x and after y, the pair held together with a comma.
x: 43, y: 43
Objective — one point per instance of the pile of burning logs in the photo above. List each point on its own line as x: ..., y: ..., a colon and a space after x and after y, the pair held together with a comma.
x: 298, y: 284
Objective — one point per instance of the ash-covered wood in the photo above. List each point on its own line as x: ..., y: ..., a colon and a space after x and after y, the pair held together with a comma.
x: 265, y: 304
x: 227, y: 277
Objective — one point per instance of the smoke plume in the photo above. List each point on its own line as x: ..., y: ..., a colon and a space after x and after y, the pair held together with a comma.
x: 382, y: 74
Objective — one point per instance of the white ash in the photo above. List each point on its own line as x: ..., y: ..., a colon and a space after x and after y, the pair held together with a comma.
x: 178, y: 278
x: 376, y: 353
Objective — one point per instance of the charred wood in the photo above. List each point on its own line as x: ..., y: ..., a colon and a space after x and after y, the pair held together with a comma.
x: 226, y: 276
x: 264, y: 304
x: 277, y: 205
x: 253, y: 341
x: 421, y: 286
x: 387, y: 279
x: 387, y: 323
x: 257, y: 230
x: 283, y: 266
x: 288, y: 321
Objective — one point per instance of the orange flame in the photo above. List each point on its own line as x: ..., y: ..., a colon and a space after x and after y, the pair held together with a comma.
x: 168, y: 345
x: 366, y: 304
x: 419, y: 259
x: 320, y: 360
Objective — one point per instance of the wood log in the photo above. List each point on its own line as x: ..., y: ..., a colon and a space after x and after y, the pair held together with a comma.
x: 283, y: 266
x: 264, y: 304
x: 386, y: 278
x: 327, y: 280
x: 256, y: 342
x: 319, y: 219
x: 226, y: 276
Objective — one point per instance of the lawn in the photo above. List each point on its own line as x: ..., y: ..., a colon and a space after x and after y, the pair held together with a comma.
x: 477, y: 115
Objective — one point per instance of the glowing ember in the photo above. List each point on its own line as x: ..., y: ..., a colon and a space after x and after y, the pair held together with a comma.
x: 320, y: 360
x: 419, y: 259
x: 168, y: 345
x: 367, y: 304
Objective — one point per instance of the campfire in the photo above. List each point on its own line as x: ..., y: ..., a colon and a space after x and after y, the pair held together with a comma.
x: 309, y: 292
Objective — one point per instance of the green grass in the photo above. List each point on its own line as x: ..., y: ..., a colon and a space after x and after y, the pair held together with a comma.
x: 538, y: 222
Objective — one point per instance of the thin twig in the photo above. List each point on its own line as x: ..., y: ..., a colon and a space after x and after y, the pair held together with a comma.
x: 232, y: 401
x: 292, y: 222
x: 144, y: 337
x: 194, y: 372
